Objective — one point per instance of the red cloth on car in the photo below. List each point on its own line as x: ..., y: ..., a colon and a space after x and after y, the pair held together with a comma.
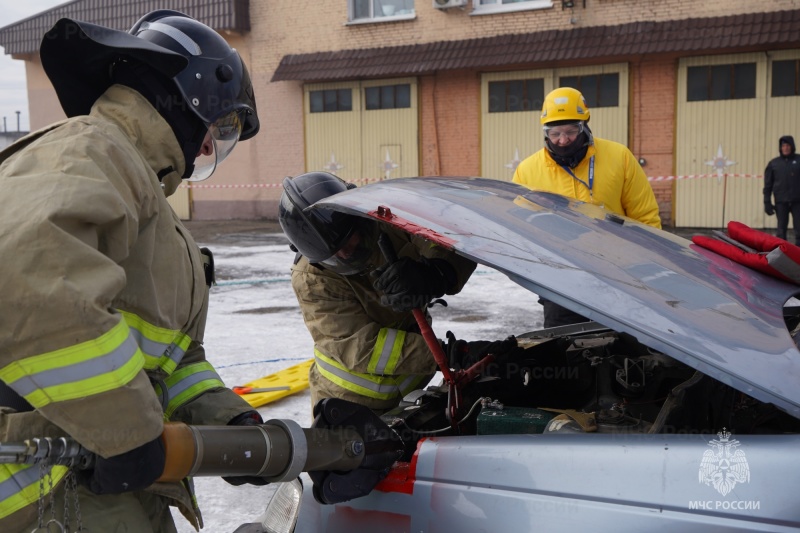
x: 767, y: 253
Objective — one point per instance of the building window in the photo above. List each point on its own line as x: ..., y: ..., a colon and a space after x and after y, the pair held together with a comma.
x: 786, y: 78
x: 330, y: 100
x: 721, y: 82
x: 516, y: 95
x: 486, y: 7
x: 599, y: 90
x: 388, y: 97
x: 372, y: 10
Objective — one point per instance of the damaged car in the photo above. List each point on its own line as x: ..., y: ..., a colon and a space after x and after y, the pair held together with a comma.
x: 675, y: 408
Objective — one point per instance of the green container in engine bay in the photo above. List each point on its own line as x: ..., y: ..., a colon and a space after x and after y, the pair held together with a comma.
x: 512, y: 420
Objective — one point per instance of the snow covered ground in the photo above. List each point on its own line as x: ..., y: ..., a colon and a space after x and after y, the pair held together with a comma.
x: 255, y: 328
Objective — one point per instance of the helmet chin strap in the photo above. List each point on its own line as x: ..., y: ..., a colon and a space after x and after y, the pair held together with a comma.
x: 163, y: 95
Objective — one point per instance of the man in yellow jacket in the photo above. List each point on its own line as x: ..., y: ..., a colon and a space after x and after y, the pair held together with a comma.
x: 105, y: 291
x: 576, y: 164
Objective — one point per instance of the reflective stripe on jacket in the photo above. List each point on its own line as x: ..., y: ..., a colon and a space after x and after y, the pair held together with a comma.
x: 620, y: 184
x: 188, y: 383
x: 91, y: 367
x: 380, y: 387
x: 163, y: 348
x: 22, y: 484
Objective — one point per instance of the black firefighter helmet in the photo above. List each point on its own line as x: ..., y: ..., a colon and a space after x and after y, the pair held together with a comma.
x: 321, y: 234
x: 205, y: 78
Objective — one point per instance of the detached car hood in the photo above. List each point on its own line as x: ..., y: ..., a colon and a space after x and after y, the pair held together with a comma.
x: 715, y: 315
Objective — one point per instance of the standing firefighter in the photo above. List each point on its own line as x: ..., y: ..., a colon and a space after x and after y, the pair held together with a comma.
x: 109, y: 291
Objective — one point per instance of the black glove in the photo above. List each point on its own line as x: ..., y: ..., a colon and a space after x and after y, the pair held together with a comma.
x: 382, y: 447
x: 462, y: 354
x: 126, y: 472
x: 769, y: 209
x: 248, y: 418
x: 407, y: 284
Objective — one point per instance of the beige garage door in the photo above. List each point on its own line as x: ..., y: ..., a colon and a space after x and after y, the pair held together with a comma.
x: 511, y: 103
x: 720, y: 132
x: 363, y: 130
x: 180, y: 201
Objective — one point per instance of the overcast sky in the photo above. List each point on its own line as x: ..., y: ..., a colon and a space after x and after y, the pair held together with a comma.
x: 13, y: 95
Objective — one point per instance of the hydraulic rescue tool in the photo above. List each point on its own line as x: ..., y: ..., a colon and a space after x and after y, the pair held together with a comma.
x: 278, y: 450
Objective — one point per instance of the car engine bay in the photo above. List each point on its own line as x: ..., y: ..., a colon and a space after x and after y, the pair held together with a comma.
x: 585, y: 378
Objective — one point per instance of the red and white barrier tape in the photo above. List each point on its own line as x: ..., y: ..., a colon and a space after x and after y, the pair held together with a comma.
x: 694, y: 176
x: 362, y: 181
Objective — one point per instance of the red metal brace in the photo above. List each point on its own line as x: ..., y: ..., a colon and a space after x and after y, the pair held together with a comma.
x: 455, y: 382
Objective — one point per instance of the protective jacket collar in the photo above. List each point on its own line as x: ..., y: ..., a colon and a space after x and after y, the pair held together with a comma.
x: 151, y: 134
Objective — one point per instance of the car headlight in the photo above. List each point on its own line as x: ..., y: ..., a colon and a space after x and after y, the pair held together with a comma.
x: 281, y: 513
x: 283, y: 508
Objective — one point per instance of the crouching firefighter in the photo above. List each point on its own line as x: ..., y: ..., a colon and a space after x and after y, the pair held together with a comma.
x: 356, y: 304
x: 106, y: 291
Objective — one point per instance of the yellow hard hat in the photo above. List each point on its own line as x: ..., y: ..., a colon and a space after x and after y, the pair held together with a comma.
x: 564, y: 103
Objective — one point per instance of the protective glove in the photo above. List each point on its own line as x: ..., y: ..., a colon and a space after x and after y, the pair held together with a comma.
x: 769, y: 209
x: 126, y: 472
x: 248, y: 418
x: 462, y: 354
x: 407, y: 284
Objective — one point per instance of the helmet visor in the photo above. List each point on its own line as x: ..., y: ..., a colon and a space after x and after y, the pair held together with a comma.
x: 354, y: 257
x: 220, y: 140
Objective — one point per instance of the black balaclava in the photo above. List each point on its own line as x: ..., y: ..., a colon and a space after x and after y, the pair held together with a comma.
x: 572, y: 154
x: 164, y: 96
x: 787, y: 139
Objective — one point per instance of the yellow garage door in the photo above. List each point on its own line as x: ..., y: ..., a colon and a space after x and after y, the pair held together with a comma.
x: 363, y: 131
x: 511, y: 103
x: 720, y: 132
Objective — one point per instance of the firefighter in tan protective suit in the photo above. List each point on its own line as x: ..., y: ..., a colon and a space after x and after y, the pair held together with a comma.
x: 106, y: 292
x: 357, y: 306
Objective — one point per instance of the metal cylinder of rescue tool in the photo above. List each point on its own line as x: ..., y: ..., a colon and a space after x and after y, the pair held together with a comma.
x: 333, y: 449
x: 278, y: 450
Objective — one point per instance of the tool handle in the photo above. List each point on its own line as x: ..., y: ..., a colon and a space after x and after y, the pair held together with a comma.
x: 385, y: 244
x: 255, y: 390
x: 388, y: 251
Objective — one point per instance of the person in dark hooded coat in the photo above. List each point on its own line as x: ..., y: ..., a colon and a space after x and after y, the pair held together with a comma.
x: 782, y: 180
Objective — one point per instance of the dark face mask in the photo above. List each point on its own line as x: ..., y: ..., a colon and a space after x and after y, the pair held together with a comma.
x: 572, y: 154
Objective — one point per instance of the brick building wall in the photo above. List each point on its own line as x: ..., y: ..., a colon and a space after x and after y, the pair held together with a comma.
x: 653, y: 89
x: 449, y: 101
x: 458, y: 115
x: 248, y: 184
x: 303, y: 26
